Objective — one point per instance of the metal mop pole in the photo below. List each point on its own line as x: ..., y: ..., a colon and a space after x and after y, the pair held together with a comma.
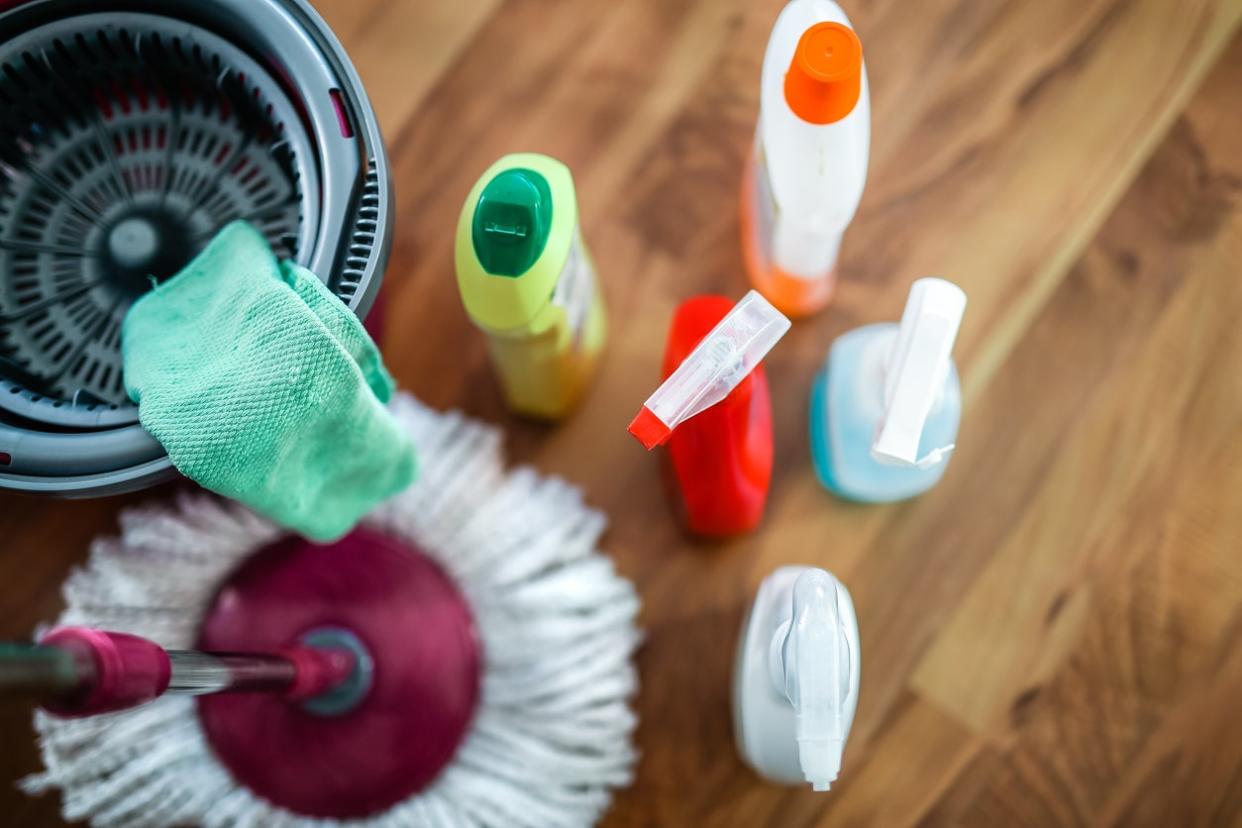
x: 76, y: 671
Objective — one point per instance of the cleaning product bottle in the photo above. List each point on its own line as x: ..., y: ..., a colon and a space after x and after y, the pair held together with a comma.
x: 527, y: 280
x: 714, y: 411
x: 795, y: 680
x: 806, y: 175
x: 885, y: 408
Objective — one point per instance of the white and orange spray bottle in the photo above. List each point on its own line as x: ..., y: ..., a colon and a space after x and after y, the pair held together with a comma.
x: 806, y: 175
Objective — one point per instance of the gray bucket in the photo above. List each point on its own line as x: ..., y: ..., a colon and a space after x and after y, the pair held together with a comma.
x: 130, y: 132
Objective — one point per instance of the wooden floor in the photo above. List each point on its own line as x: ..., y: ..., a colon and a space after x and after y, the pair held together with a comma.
x: 1053, y: 636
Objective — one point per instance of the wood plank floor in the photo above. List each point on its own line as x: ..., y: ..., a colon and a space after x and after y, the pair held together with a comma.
x: 1051, y: 637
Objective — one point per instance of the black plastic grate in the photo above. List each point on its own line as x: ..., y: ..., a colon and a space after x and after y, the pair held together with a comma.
x: 363, y: 237
x: 123, y: 149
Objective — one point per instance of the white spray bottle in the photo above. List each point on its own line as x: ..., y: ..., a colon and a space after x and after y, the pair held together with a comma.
x: 806, y: 175
x: 886, y: 407
x: 795, y: 682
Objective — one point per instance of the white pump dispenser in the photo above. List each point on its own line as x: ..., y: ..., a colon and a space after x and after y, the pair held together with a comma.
x: 916, y: 372
x: 796, y: 678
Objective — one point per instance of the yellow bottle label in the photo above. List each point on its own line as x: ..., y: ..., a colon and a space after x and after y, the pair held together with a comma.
x: 575, y: 290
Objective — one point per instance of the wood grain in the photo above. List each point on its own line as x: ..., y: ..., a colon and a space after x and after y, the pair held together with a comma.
x: 1053, y: 636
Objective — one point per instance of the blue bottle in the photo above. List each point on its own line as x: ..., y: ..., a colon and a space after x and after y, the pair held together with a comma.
x: 886, y: 407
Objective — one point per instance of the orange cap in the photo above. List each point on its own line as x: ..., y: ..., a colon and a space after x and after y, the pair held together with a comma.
x: 825, y: 75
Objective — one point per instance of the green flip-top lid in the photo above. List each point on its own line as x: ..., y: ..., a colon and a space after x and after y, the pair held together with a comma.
x: 512, y: 222
x: 511, y: 245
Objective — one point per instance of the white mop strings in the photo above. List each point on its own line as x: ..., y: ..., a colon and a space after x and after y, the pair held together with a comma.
x: 551, y: 739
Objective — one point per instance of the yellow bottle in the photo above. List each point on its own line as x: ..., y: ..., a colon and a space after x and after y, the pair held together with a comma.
x: 528, y: 282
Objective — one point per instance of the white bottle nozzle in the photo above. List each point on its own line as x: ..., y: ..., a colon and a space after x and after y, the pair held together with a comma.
x: 811, y: 663
x: 917, y: 369
x: 716, y: 366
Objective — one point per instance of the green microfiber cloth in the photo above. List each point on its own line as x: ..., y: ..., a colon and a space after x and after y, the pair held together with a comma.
x: 262, y: 386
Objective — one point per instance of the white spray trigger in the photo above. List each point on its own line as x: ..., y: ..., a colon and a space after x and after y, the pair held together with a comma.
x: 810, y: 666
x: 917, y: 370
x: 719, y: 363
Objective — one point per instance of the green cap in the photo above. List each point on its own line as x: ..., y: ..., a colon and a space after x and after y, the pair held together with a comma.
x: 512, y: 222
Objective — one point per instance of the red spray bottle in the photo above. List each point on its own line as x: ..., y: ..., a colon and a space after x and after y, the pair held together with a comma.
x: 715, y: 413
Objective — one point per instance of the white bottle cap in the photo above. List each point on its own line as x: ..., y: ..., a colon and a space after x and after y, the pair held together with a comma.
x: 716, y: 366
x: 917, y: 370
x: 811, y: 662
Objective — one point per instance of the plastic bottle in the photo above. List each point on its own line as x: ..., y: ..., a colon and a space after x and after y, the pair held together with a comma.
x: 795, y: 681
x: 715, y: 413
x: 806, y: 174
x: 886, y: 407
x: 528, y: 281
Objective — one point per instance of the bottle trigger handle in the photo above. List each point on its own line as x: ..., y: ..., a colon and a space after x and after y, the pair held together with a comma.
x: 916, y: 372
x: 810, y: 664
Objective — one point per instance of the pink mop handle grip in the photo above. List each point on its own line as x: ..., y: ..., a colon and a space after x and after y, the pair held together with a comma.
x: 117, y: 671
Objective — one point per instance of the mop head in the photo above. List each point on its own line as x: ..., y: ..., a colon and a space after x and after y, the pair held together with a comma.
x: 551, y: 738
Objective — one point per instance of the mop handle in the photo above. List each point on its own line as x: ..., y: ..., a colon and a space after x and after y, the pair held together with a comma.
x: 77, y: 671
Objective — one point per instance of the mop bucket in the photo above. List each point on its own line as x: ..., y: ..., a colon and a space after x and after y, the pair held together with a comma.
x: 130, y: 132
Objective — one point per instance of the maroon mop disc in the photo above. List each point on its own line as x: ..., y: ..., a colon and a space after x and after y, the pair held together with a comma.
x: 392, y: 738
